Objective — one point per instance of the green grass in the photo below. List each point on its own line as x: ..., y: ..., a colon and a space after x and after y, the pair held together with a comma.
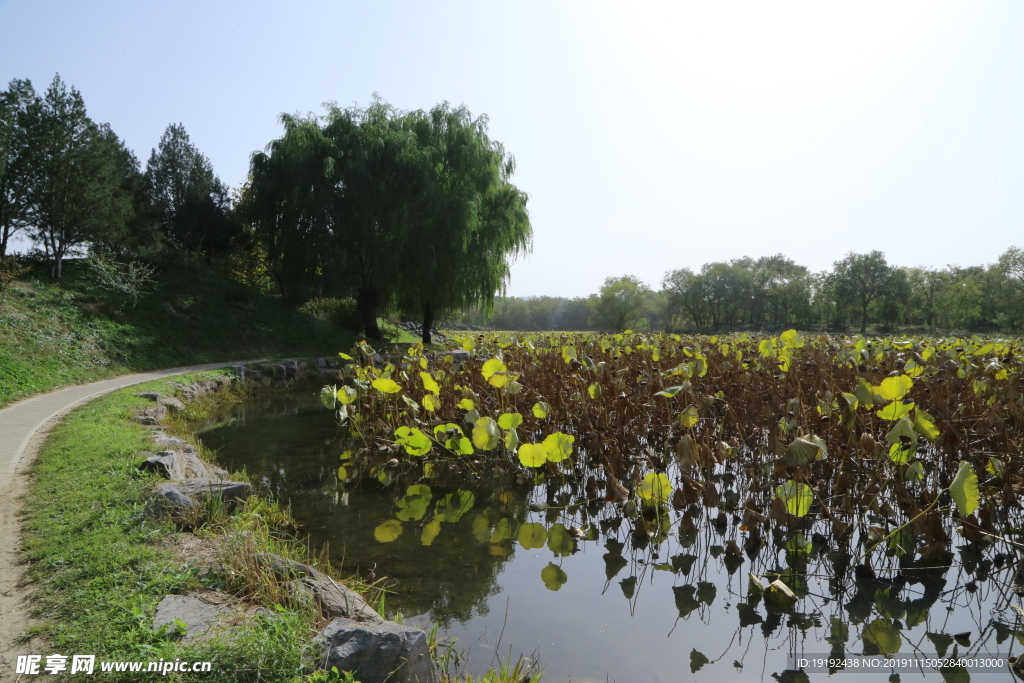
x: 56, y: 334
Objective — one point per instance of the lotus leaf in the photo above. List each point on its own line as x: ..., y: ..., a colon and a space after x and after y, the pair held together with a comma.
x: 553, y: 577
x: 532, y: 535
x: 964, y: 489
x: 386, y: 385
x: 532, y: 454
x: 415, y: 441
x: 388, y: 531
x: 558, y: 446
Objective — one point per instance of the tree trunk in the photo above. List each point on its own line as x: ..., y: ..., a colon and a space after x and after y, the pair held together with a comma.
x: 367, y: 301
x: 428, y: 322
x: 864, y: 318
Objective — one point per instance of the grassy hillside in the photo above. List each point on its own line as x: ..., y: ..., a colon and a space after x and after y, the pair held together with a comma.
x: 56, y: 334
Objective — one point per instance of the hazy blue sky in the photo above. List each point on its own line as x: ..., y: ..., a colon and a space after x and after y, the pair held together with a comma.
x: 649, y: 136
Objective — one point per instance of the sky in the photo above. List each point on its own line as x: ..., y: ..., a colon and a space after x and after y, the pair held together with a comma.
x: 648, y: 136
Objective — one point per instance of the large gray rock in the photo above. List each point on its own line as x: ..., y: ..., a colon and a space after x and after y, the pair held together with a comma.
x: 176, y: 497
x: 198, y: 615
x: 377, y: 653
x: 169, y: 501
x: 181, y: 465
x: 189, y: 392
x: 157, y: 413
x: 171, y: 403
x: 202, y: 487
x: 334, y: 598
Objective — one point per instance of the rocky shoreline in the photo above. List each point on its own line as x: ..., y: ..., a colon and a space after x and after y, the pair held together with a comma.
x: 356, y: 638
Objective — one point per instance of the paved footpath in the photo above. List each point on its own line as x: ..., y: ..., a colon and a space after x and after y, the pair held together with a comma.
x: 23, y: 426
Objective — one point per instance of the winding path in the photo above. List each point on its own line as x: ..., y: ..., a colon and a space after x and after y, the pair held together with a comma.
x: 23, y: 426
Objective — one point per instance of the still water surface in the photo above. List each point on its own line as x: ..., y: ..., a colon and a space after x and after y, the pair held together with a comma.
x: 525, y: 569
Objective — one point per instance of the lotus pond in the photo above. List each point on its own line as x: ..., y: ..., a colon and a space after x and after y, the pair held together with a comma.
x: 661, y: 508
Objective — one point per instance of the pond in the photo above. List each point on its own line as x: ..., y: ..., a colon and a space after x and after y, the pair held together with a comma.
x: 596, y: 593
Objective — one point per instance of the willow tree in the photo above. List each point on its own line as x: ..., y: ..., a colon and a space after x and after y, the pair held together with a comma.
x: 378, y: 174
x: 401, y: 209
x: 287, y: 204
x: 466, y: 220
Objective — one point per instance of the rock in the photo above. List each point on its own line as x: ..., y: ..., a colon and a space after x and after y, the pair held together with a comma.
x: 171, y: 403
x: 204, y: 386
x: 183, y: 465
x: 145, y: 420
x: 377, y: 653
x: 162, y: 439
x: 169, y: 501
x: 202, y: 487
x: 334, y: 597
x: 157, y: 414
x: 321, y: 363
x: 176, y: 497
x: 197, y: 614
x: 291, y: 368
x: 239, y: 371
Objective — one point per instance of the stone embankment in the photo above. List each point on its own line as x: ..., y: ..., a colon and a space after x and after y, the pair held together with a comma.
x: 356, y: 638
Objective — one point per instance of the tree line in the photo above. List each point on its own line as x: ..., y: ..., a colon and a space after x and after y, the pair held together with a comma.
x: 70, y: 184
x: 774, y: 292
x: 406, y: 212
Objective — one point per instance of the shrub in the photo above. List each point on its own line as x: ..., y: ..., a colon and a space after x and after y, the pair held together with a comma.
x: 10, y: 269
x: 339, y: 312
x: 127, y: 281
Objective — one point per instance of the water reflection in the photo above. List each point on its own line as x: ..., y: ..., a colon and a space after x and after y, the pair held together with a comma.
x: 602, y: 593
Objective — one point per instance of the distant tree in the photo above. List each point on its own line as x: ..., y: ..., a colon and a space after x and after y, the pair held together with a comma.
x: 1006, y: 279
x: 189, y: 200
x: 860, y: 279
x: 573, y: 315
x: 781, y: 290
x: 15, y: 178
x: 962, y: 303
x: 925, y: 288
x: 76, y: 195
x: 893, y: 302
x: 686, y: 296
x: 620, y: 302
